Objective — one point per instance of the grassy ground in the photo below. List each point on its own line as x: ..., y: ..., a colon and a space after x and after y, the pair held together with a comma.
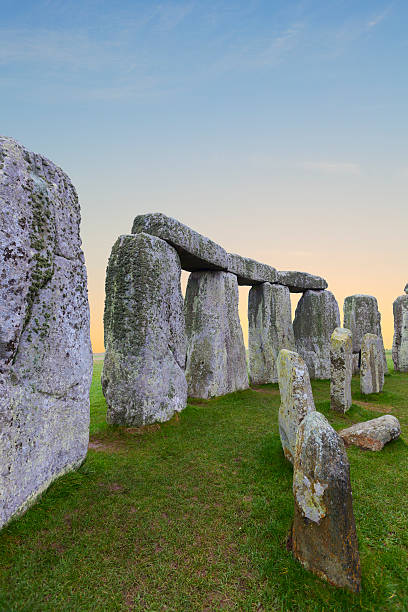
x: 194, y: 514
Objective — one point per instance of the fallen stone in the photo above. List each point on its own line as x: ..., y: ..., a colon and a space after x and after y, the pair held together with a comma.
x: 341, y: 359
x: 296, y: 398
x: 372, y: 435
x: 317, y: 315
x: 249, y: 271
x: 372, y: 367
x: 45, y: 349
x: 143, y: 377
x: 324, y: 537
x: 299, y: 282
x: 400, y: 342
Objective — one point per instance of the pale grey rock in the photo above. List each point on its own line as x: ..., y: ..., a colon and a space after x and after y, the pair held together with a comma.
x: 341, y: 361
x: 299, y: 282
x: 372, y: 367
x: 400, y: 341
x: 372, y: 435
x: 45, y: 349
x: 249, y: 271
x: 356, y: 363
x: 406, y: 288
x: 296, y: 398
x: 143, y: 377
x: 196, y: 252
x: 216, y: 360
x: 269, y: 330
x: 324, y: 537
x: 317, y: 315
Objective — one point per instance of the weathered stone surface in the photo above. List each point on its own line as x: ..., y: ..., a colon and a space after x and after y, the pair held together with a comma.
x: 296, y: 398
x: 372, y: 435
x: 196, y: 252
x: 406, y: 288
x: 356, y: 363
x: 341, y: 360
x: 249, y: 271
x: 45, y: 350
x: 324, y: 536
x: 216, y: 360
x: 400, y: 342
x: 270, y: 330
x: 143, y: 377
x: 299, y: 282
x: 372, y: 367
x: 317, y: 315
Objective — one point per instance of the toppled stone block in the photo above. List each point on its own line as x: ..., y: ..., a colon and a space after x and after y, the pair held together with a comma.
x: 341, y: 359
x: 216, y: 359
x: 249, y: 271
x: 299, y: 282
x: 372, y: 366
x: 400, y: 341
x: 372, y: 435
x: 143, y: 377
x: 324, y: 537
x: 296, y: 398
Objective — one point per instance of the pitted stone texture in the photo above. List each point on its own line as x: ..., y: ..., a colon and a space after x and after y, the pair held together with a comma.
x: 324, y: 536
x: 400, y: 342
x: 195, y: 250
x: 296, y: 398
x: 372, y: 367
x: 406, y: 288
x: 143, y: 377
x: 317, y: 315
x: 216, y: 360
x: 45, y: 349
x: 356, y: 362
x: 270, y: 330
x: 249, y: 271
x: 374, y: 434
x: 299, y: 282
x: 341, y: 360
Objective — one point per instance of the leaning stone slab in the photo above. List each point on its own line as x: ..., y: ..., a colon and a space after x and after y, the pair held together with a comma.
x: 372, y: 367
x: 143, y: 377
x: 361, y: 316
x: 249, y: 271
x: 216, y: 360
x: 317, y: 315
x: 400, y: 341
x: 296, y: 398
x: 196, y: 252
x: 341, y: 360
x: 299, y: 282
x: 269, y: 330
x: 45, y: 349
x: 324, y: 537
x: 372, y: 435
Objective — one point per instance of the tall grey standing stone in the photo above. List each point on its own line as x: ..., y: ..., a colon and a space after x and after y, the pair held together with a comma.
x: 269, y: 330
x: 216, y: 360
x: 324, y: 537
x: 371, y: 369
x: 296, y: 398
x: 45, y: 349
x: 341, y: 360
x: 317, y: 315
x: 400, y: 342
x: 143, y: 377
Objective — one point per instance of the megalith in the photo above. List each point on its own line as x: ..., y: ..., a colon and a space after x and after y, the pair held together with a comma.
x: 143, y: 377
x: 400, y: 341
x: 45, y: 349
x: 216, y: 360
x: 374, y: 434
x: 317, y: 315
x: 372, y: 366
x: 296, y: 398
x: 269, y: 330
x: 341, y: 363
x: 324, y: 537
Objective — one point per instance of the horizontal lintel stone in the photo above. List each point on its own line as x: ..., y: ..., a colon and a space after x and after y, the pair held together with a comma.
x: 298, y: 282
x: 249, y: 271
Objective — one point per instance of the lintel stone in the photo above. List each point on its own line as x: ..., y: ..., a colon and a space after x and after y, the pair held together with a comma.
x: 299, y: 282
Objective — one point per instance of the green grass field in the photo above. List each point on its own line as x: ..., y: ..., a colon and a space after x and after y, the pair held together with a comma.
x: 194, y: 514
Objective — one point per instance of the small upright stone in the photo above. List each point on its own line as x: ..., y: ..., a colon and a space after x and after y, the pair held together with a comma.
x: 400, y: 342
x: 372, y: 369
x: 296, y: 398
x: 324, y: 537
x: 341, y: 360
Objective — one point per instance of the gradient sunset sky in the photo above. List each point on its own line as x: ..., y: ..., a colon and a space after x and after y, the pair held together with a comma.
x: 277, y: 128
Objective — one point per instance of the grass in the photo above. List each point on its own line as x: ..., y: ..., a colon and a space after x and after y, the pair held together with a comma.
x: 194, y: 514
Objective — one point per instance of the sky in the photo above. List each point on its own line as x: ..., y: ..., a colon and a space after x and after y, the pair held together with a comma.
x: 277, y: 128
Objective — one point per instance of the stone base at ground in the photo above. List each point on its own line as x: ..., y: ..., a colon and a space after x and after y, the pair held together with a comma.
x: 372, y: 435
x: 341, y: 359
x: 372, y: 367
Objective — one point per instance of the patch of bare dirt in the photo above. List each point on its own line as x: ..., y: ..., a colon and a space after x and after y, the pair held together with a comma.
x: 265, y: 391
x: 374, y: 407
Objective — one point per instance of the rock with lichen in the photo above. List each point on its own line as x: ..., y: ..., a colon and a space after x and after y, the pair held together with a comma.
x: 400, y: 341
x: 341, y: 363
x: 371, y: 367
x: 299, y: 282
x: 372, y: 435
x: 250, y: 272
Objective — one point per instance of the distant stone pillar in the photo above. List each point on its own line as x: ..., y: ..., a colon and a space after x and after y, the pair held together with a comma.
x: 216, y: 359
x: 317, y: 315
x: 341, y: 360
x: 143, y: 377
x: 269, y: 330
x: 400, y: 342
x: 372, y: 371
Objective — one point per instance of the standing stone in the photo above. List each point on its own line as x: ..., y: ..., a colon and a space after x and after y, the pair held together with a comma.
x: 317, y: 315
x: 270, y: 330
x: 341, y: 359
x: 143, y: 376
x: 324, y: 537
x: 45, y: 349
x: 400, y: 342
x: 371, y: 372
x: 296, y: 398
x: 216, y: 360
